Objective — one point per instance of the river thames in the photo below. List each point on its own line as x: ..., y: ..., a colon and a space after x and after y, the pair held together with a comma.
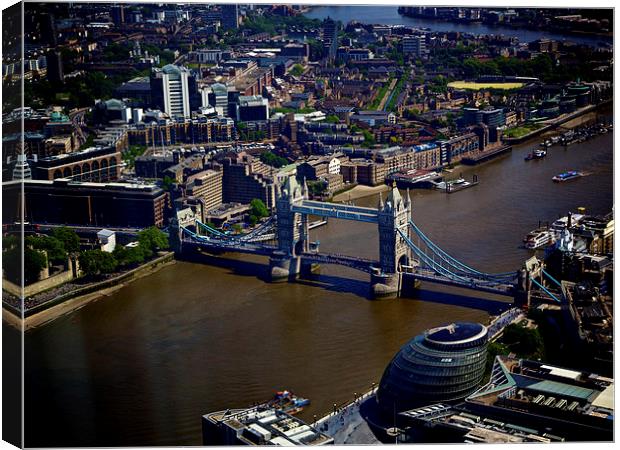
x: 141, y: 366
x: 388, y: 15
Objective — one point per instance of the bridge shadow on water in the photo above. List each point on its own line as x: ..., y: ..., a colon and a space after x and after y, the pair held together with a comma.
x: 446, y: 298
x: 353, y: 286
x: 336, y: 284
x: 236, y: 266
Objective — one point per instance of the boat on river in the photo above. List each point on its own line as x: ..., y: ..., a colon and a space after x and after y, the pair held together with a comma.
x: 566, y: 176
x: 288, y: 402
x: 536, y: 154
x: 539, y: 238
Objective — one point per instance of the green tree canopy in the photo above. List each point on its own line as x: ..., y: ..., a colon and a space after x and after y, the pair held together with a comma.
x: 96, y: 262
x: 525, y: 342
x: 69, y: 238
x: 273, y: 160
x: 54, y: 247
x: 152, y: 239
x: 131, y: 256
x: 258, y: 208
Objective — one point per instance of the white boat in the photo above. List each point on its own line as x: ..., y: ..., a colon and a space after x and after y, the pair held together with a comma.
x: 539, y: 239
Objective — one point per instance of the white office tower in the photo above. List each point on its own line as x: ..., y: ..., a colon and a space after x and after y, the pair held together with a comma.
x: 414, y: 45
x: 175, y: 90
x: 220, y: 98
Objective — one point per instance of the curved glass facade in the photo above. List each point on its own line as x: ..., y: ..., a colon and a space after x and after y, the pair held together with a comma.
x: 443, y: 364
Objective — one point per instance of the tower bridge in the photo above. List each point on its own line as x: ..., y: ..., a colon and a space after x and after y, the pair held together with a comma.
x: 406, y: 255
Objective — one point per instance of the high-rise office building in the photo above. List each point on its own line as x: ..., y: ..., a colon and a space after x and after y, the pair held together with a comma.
x: 54, y: 66
x: 217, y: 96
x: 118, y: 14
x: 253, y: 107
x: 414, y: 46
x: 174, y: 91
x: 330, y: 37
x: 230, y: 16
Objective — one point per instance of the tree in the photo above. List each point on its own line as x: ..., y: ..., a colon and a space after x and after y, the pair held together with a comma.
x: 152, y: 239
x: 297, y: 70
x: 318, y: 187
x: 54, y: 247
x: 525, y: 342
x: 258, y: 209
x: 125, y: 256
x: 69, y: 238
x: 34, y: 261
x: 95, y: 262
x: 332, y: 118
x: 167, y: 183
x: 273, y: 160
x: 107, y: 262
x: 369, y: 138
x: 9, y: 241
x: 89, y: 262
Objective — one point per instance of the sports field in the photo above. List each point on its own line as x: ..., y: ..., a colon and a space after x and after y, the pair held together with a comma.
x: 477, y: 86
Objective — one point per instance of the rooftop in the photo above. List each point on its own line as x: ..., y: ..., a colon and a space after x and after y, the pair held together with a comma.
x: 456, y: 332
x: 267, y: 426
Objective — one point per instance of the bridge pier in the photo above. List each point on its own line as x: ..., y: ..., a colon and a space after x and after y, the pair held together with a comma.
x: 384, y: 285
x: 409, y: 284
x: 284, y: 268
x: 308, y: 268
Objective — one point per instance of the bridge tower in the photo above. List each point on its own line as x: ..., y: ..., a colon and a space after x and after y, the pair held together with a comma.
x: 394, y: 252
x: 175, y: 235
x: 292, y: 230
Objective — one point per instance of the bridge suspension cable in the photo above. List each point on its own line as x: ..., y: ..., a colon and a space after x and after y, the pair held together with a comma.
x: 456, y: 264
x: 211, y: 230
x: 546, y: 291
x: 438, y: 268
x: 267, y: 225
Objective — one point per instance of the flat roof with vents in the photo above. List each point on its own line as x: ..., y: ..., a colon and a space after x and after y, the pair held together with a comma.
x: 562, y: 390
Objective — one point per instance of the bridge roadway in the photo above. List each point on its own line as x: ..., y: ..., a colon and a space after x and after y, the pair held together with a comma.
x: 230, y: 245
x: 364, y: 265
x: 337, y: 211
x: 431, y: 276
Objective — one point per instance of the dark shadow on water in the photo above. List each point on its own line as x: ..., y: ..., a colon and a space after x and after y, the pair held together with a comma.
x: 261, y: 271
x: 337, y: 284
x: 491, y: 306
x: 359, y: 288
x: 236, y: 266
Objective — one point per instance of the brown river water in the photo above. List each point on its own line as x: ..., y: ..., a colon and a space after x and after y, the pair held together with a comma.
x: 141, y: 366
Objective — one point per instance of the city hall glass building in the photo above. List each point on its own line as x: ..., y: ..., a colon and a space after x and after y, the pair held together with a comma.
x: 441, y: 365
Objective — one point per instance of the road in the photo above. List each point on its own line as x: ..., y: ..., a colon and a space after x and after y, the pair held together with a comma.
x: 77, y: 118
x: 388, y: 95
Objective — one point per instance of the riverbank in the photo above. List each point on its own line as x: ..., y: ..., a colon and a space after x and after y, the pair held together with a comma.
x: 359, y: 191
x: 568, y: 121
x: 69, y: 302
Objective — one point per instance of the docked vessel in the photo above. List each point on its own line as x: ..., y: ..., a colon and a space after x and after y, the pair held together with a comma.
x: 536, y: 154
x: 456, y: 185
x: 566, y: 222
x: 544, y: 236
x: 565, y: 176
x: 546, y: 143
x: 287, y: 402
x: 539, y: 238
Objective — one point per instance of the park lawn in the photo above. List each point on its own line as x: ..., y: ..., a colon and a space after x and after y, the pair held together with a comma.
x: 518, y: 132
x: 477, y: 86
